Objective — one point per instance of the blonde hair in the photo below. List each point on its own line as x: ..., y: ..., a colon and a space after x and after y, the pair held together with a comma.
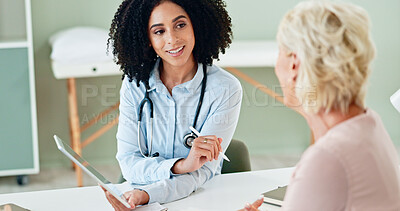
x: 333, y: 44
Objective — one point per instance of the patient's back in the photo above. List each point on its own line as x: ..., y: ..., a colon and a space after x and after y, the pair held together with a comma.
x: 354, y: 166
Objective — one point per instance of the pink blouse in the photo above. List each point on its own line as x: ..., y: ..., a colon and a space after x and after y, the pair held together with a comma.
x: 354, y: 166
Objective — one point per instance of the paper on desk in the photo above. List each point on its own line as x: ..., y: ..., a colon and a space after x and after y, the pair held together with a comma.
x: 151, y: 207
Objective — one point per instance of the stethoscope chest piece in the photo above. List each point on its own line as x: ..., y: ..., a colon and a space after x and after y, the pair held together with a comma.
x: 188, y: 140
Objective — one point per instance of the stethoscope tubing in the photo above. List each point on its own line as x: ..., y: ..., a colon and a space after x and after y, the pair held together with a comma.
x: 147, y: 99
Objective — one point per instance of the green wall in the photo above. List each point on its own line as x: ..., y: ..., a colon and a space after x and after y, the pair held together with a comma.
x: 265, y: 125
x: 272, y: 128
x: 50, y: 16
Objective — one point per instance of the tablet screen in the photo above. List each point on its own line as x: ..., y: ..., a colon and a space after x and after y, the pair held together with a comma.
x: 72, y: 155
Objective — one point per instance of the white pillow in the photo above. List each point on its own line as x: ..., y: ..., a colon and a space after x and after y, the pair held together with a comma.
x: 80, y: 45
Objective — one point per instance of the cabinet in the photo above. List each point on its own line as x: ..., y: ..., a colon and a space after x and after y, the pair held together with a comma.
x: 18, y: 124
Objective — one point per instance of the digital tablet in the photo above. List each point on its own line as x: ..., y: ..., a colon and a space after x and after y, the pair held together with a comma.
x: 71, y: 154
x: 276, y: 196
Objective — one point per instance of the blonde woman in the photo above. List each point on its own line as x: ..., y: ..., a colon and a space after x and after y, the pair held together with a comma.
x: 323, y: 66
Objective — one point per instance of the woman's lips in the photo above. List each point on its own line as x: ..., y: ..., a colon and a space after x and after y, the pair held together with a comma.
x: 176, y: 52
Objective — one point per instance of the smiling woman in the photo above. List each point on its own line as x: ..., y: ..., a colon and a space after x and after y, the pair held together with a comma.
x: 172, y: 38
x: 165, y: 49
x: 132, y: 45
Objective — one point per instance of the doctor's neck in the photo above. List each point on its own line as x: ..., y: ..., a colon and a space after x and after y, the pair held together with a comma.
x: 172, y: 76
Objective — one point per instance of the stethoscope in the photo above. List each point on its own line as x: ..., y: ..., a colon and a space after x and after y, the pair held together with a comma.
x: 188, y: 138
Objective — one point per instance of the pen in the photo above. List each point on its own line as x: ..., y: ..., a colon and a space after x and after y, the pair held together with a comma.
x: 198, y: 134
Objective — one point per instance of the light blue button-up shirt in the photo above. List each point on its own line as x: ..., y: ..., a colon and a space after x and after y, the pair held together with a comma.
x: 173, y: 114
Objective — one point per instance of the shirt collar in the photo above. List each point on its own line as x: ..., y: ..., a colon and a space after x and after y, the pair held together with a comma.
x: 190, y: 86
x: 154, y: 80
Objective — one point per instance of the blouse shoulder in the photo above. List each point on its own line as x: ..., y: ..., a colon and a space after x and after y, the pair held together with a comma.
x: 218, y: 77
x: 319, y: 173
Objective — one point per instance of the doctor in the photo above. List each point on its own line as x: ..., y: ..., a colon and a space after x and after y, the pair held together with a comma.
x: 165, y: 49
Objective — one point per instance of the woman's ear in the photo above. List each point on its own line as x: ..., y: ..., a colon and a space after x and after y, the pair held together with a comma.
x: 295, y: 64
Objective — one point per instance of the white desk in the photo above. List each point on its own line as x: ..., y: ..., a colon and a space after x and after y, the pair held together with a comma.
x: 224, y: 192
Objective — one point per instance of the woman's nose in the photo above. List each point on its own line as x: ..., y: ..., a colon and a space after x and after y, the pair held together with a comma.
x: 172, y: 37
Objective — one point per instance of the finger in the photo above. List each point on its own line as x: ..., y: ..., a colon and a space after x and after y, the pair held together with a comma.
x: 247, y: 207
x: 216, y: 149
x: 108, y: 198
x: 206, y: 146
x: 219, y: 145
x: 208, y: 155
x: 213, y: 142
x: 127, y: 195
x: 111, y: 200
x: 210, y: 137
x: 203, y: 153
x: 258, y: 202
x: 131, y: 201
x: 216, y: 140
x: 250, y: 207
x: 213, y: 137
x: 102, y: 188
x: 116, y: 204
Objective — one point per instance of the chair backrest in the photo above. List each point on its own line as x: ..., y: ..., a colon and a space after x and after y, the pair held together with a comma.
x: 238, y: 153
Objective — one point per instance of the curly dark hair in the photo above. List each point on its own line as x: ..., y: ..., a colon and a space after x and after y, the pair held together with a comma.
x: 130, y: 41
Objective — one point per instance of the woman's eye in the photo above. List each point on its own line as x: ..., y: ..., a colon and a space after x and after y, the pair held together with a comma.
x: 181, y: 25
x: 158, y: 32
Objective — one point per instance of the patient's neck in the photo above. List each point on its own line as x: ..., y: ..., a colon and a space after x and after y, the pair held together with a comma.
x: 321, y: 122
